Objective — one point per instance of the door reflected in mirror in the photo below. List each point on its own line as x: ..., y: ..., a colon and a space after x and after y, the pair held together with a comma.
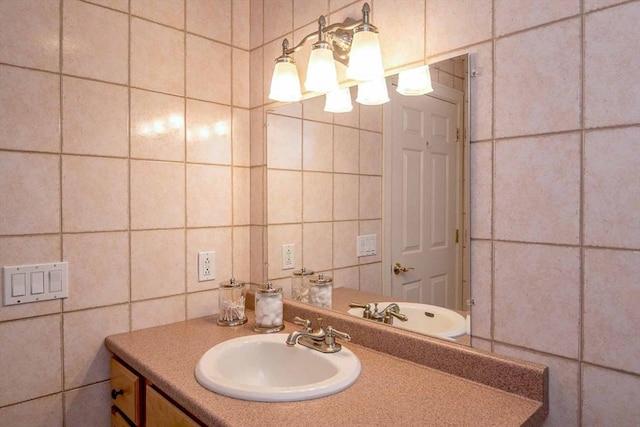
x: 376, y: 198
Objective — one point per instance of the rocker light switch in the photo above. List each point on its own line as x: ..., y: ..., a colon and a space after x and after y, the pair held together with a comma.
x: 36, y: 282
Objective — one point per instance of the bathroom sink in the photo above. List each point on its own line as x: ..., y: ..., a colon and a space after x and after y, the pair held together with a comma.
x: 263, y: 368
x: 444, y: 323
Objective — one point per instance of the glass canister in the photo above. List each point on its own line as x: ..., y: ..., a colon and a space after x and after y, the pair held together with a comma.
x: 300, y: 285
x: 321, y: 291
x: 231, y: 303
x: 268, y: 309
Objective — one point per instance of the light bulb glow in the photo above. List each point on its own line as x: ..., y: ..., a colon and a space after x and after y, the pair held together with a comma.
x: 338, y: 101
x: 321, y: 71
x: 416, y: 81
x: 285, y: 83
x: 365, y: 59
x: 373, y: 92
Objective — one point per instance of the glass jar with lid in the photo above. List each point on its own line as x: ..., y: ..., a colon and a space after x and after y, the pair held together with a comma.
x: 268, y: 309
x: 300, y: 285
x: 321, y: 291
x: 231, y: 303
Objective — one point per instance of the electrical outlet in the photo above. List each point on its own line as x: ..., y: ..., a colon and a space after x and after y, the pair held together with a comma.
x: 288, y: 256
x: 206, y: 266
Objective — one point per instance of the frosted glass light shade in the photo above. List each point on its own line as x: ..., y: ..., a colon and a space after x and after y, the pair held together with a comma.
x: 321, y: 71
x: 285, y: 83
x: 373, y: 92
x: 365, y: 59
x: 338, y: 101
x: 416, y: 81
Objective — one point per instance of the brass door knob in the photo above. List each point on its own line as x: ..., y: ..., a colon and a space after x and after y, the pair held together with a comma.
x: 398, y: 268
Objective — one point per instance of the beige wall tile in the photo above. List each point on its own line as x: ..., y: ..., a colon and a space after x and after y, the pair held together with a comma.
x: 371, y: 278
x: 347, y: 278
x: 241, y: 258
x: 258, y: 195
x: 345, y: 234
x: 208, y: 70
x: 371, y: 117
x: 317, y: 146
x: 611, y: 182
x: 345, y: 197
x: 156, y: 312
x: 402, y: 35
x: 29, y: 250
x: 201, y: 304
x: 29, y: 181
x: 82, y: 102
x: 102, y: 54
x: 157, y: 55
x: 210, y: 18
x: 284, y: 142
x: 609, y: 397
x: 481, y: 159
x: 481, y: 288
x: 241, y: 25
x: 214, y: 208
x: 370, y: 197
x: 317, y: 201
x: 612, y: 276
x: 40, y: 338
x: 28, y: 98
x: 564, y: 377
x: 608, y: 98
x: 370, y: 153
x: 44, y: 411
x: 284, y: 196
x: 279, y: 235
x: 122, y: 5
x: 208, y: 132
x: 96, y: 281
x: 241, y: 196
x: 481, y: 88
x: 30, y: 34
x: 537, y: 189
x: 86, y: 359
x: 157, y: 264
x: 258, y: 146
x: 209, y: 239
x: 313, y: 109
x: 590, y: 5
x: 157, y: 126
x: 168, y: 12
x: 452, y: 25
x: 308, y: 11
x: 521, y: 107
x: 516, y: 15
x: 240, y: 137
x: 317, y: 251
x: 346, y: 149
x: 90, y: 405
x: 542, y: 283
x: 258, y: 254
x: 157, y: 194
x: 278, y: 18
x: 240, y: 75
x: 256, y: 77
x: 94, y: 194
x: 256, y: 23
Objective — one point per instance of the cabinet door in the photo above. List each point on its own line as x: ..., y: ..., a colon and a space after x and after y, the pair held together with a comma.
x: 162, y: 413
x: 125, y: 391
x: 117, y: 419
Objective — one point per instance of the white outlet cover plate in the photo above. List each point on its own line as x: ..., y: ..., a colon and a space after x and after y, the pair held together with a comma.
x: 206, y: 266
x: 288, y: 256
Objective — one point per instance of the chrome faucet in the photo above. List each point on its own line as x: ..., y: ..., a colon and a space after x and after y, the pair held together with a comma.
x: 385, y: 315
x: 321, y: 340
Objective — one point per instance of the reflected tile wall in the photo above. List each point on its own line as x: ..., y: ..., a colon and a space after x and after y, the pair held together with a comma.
x: 126, y: 165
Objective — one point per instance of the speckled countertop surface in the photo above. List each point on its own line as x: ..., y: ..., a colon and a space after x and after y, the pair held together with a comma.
x: 390, y: 390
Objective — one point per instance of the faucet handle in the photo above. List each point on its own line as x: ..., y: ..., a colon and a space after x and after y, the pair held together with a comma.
x: 367, y: 308
x: 331, y: 332
x: 389, y: 320
x: 305, y: 323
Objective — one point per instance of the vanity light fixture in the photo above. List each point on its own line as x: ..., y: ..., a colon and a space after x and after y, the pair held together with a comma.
x: 414, y: 82
x: 373, y: 92
x: 350, y: 42
x: 338, y: 101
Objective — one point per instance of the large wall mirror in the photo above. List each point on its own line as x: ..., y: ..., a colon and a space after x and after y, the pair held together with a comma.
x: 377, y: 199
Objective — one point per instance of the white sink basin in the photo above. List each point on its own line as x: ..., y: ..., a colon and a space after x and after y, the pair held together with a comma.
x: 445, y: 323
x: 263, y: 368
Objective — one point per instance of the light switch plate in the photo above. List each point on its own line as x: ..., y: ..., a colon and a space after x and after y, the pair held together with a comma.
x: 367, y: 245
x: 35, y: 282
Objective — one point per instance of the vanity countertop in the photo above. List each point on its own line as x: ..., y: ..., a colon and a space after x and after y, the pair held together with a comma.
x: 390, y: 390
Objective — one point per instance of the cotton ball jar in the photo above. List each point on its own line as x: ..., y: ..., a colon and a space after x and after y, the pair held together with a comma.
x: 268, y: 309
x: 321, y: 291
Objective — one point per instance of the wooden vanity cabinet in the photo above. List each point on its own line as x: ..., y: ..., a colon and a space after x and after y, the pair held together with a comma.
x: 137, y: 403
